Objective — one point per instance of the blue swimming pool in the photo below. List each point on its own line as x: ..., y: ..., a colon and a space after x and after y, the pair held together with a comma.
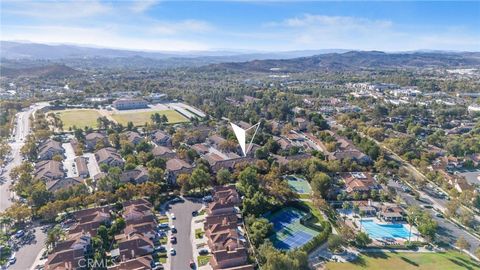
x: 382, y: 231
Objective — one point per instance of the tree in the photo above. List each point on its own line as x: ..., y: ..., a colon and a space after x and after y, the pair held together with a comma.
x: 335, y: 243
x: 258, y: 229
x: 248, y: 181
x: 320, y: 183
x: 462, y: 243
x: 54, y: 235
x: 199, y: 179
x: 362, y: 239
x: 223, y: 176
x: 427, y: 226
x: 18, y: 212
x: 273, y: 259
x: 156, y: 175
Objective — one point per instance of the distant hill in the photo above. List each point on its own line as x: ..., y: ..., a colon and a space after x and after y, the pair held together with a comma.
x: 51, y: 70
x: 355, y: 60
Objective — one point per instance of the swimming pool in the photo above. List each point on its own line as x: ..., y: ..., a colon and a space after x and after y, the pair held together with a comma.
x: 382, y: 231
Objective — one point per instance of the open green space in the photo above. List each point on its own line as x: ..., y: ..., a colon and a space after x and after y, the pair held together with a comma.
x: 140, y: 118
x: 78, y: 118
x: 451, y: 260
x: 203, y: 260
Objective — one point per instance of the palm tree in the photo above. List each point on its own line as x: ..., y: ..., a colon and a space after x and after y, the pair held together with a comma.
x: 53, y: 236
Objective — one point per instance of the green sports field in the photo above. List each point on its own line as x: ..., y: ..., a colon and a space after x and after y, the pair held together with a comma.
x: 78, y: 118
x: 451, y: 260
x: 140, y: 118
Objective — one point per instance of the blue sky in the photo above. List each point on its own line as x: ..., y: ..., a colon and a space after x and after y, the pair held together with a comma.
x: 246, y: 25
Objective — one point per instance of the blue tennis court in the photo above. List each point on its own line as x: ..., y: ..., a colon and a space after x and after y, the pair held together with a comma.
x: 299, y: 185
x: 289, y: 232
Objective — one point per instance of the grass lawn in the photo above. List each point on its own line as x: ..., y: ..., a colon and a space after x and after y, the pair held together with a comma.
x: 162, y: 219
x: 198, y: 233
x: 140, y: 118
x: 163, y: 240
x: 451, y: 260
x: 203, y: 260
x: 78, y: 118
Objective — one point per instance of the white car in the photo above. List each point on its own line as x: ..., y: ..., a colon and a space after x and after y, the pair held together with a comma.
x: 173, y: 252
x: 173, y: 216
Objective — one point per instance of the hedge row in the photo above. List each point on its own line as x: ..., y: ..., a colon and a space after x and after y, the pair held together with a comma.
x: 319, y: 239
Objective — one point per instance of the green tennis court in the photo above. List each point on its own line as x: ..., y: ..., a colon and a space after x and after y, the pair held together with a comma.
x: 299, y: 185
x: 289, y: 232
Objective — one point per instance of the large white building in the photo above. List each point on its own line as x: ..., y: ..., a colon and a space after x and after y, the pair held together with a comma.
x: 129, y: 103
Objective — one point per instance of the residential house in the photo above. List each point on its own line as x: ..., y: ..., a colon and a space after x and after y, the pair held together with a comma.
x: 49, y: 170
x: 161, y: 138
x: 110, y: 157
x: 163, y: 152
x: 359, y: 182
x: 132, y: 137
x: 82, y: 168
x: 94, y: 138
x: 54, y: 185
x: 138, y: 263
x: 302, y: 123
x: 49, y: 149
x: 138, y: 175
x: 176, y: 166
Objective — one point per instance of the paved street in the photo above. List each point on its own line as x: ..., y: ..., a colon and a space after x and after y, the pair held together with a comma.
x: 27, y: 253
x: 183, y: 213
x: 447, y: 231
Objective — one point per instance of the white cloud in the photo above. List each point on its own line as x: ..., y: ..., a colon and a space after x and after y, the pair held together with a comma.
x: 57, y: 9
x: 140, y: 6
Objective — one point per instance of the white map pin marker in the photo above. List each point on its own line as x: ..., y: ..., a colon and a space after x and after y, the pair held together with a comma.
x: 240, y: 133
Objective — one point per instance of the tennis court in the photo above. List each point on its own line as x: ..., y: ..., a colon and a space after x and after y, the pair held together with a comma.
x: 299, y: 185
x: 289, y: 232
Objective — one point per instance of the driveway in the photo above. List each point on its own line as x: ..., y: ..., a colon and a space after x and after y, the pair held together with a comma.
x: 92, y: 165
x: 69, y: 160
x: 183, y: 213
x: 27, y: 254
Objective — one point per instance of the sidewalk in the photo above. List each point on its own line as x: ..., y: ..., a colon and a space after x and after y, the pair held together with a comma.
x: 198, y: 244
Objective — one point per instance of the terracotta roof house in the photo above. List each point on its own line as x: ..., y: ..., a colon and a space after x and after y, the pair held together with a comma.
x: 138, y: 175
x: 176, y: 166
x: 226, y: 194
x: 75, y: 241
x: 219, y: 219
x: 216, y: 140
x: 138, y: 263
x: 110, y: 157
x: 132, y: 137
x: 54, y: 185
x: 200, y: 148
x: 285, y: 160
x: 161, y: 138
x: 49, y: 170
x: 359, y: 182
x: 163, y: 152
x: 391, y: 213
x: 88, y: 220
x: 49, y: 149
x: 138, y: 214
x: 91, y: 140
x: 82, y: 168
x: 65, y: 260
x: 284, y: 143
x: 129, y: 103
x: 135, y: 246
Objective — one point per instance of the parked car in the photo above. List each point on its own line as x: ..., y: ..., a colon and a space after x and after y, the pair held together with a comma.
x: 174, y: 230
x: 173, y: 216
x: 19, y: 233
x: 192, y: 264
x: 173, y: 240
x: 207, y: 198
x: 194, y: 213
x: 203, y: 251
x: 173, y: 252
x: 160, y: 248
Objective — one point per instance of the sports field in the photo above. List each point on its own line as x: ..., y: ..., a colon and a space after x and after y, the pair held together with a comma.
x: 142, y: 117
x: 289, y: 232
x: 299, y: 185
x: 79, y: 118
x: 451, y: 260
